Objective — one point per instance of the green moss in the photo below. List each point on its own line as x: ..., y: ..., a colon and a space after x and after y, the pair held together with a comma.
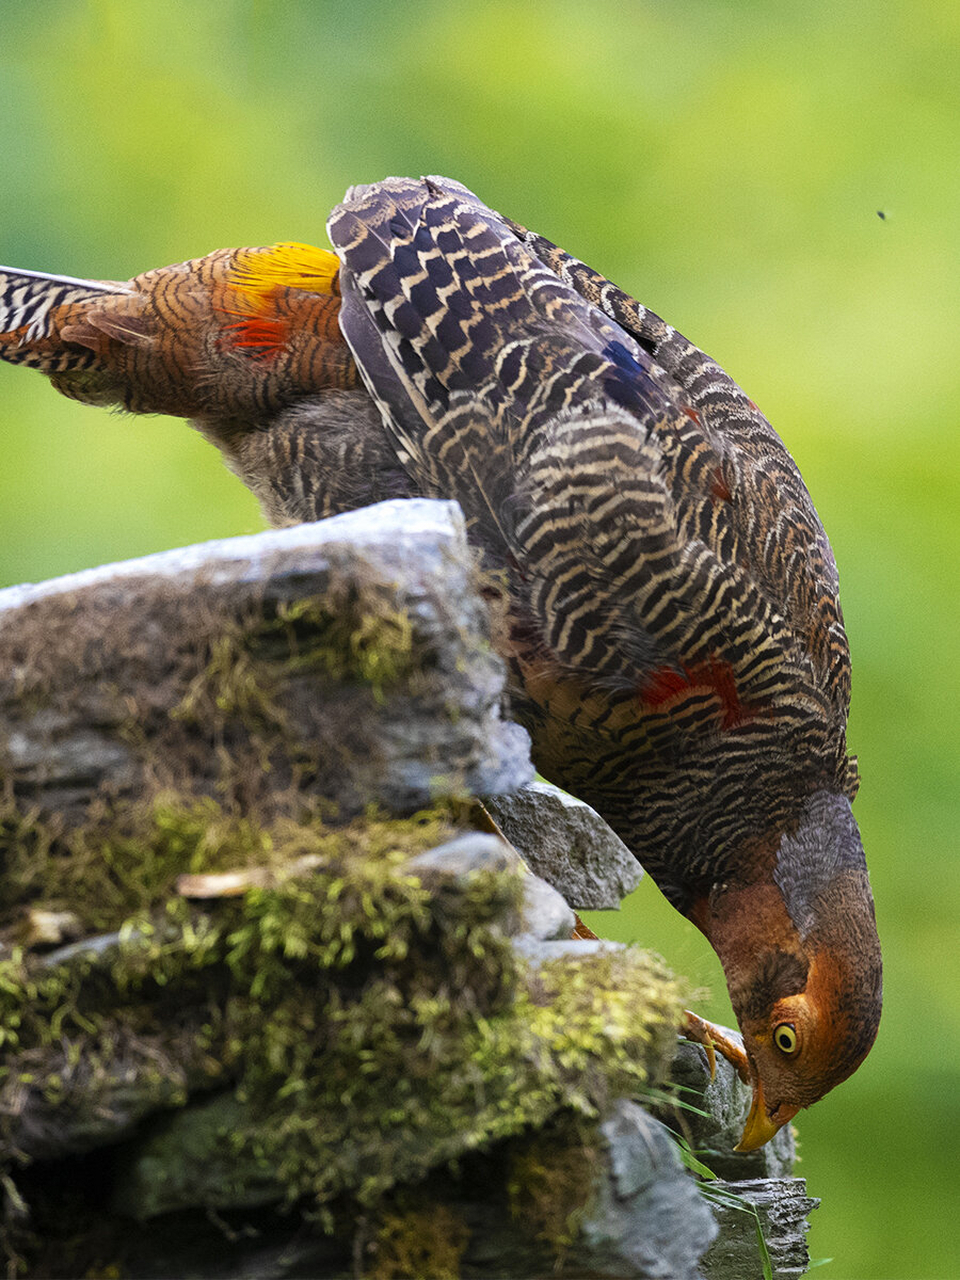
x: 373, y: 1027
x: 425, y: 1241
x: 550, y: 1184
x: 370, y: 641
x: 427, y: 1062
x: 367, y: 1028
x: 124, y: 880
x: 233, y: 683
x: 341, y: 1082
x: 347, y: 636
x: 117, y: 865
x: 610, y: 1022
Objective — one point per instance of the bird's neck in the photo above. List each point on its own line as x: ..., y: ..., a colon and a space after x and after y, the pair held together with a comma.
x: 797, y: 896
x: 744, y: 921
x: 816, y: 859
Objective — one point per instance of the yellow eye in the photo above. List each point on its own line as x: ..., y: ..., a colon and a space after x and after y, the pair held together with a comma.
x: 785, y: 1037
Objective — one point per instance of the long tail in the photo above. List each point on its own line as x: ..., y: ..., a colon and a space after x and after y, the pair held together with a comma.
x: 35, y: 308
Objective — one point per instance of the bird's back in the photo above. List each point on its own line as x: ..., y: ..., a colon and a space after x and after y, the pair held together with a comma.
x: 673, y: 625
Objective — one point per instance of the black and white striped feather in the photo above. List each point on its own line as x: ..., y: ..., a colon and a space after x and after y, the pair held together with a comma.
x: 28, y: 302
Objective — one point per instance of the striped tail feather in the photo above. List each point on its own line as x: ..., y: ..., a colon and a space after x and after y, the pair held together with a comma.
x: 36, y: 307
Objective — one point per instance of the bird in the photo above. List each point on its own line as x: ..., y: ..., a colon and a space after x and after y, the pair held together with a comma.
x: 662, y: 591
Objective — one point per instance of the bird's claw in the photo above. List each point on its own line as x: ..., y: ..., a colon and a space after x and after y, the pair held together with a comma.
x: 712, y: 1039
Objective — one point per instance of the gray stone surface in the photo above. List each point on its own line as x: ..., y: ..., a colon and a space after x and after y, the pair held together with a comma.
x: 568, y: 844
x: 474, y: 851
x: 544, y: 913
x: 782, y: 1207
x: 83, y: 656
x: 540, y: 951
x: 152, y: 1077
x: 183, y: 1159
x: 758, y: 1178
x: 726, y: 1099
x: 649, y: 1220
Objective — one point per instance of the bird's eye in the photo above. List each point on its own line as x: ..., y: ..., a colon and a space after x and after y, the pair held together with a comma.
x: 785, y: 1037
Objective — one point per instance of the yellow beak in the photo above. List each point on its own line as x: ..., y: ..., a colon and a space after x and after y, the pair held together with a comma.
x: 760, y: 1128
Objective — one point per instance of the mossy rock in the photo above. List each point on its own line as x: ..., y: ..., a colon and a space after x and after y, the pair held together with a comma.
x: 347, y: 661
x: 241, y: 971
x: 364, y: 1025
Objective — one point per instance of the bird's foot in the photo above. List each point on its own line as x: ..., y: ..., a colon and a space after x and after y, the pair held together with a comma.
x: 712, y: 1038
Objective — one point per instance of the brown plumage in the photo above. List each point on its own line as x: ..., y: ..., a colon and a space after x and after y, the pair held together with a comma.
x: 670, y: 612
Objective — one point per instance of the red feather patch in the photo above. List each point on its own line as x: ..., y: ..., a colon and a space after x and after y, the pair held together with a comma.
x: 259, y: 279
x: 720, y: 489
x: 261, y: 336
x: 715, y: 675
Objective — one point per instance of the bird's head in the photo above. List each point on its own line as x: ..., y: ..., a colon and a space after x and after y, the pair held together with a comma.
x: 801, y: 956
x: 800, y: 1045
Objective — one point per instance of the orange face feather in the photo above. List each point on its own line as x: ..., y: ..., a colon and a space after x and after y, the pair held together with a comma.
x: 808, y: 1004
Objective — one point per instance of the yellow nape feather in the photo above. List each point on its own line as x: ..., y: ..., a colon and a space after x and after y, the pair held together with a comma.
x: 286, y: 266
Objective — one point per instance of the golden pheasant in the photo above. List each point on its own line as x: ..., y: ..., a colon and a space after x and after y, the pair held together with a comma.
x: 670, y: 614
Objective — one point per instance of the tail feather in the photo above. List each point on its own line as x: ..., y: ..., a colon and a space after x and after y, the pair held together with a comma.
x: 34, y: 309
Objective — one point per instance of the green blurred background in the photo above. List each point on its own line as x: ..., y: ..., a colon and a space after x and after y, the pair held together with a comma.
x: 726, y: 162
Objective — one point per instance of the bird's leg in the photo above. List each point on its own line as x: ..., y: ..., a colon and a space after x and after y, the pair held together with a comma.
x: 712, y: 1038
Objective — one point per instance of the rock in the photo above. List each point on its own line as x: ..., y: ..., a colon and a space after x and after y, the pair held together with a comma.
x: 540, y: 951
x: 187, y: 1159
x: 287, y: 986
x: 51, y: 751
x: 457, y: 859
x: 649, y: 1220
x: 726, y: 1100
x: 760, y: 1178
x: 782, y: 1207
x: 350, y: 657
x: 364, y: 1027
x: 645, y: 1221
x: 544, y: 914
x: 568, y: 844
x: 94, y: 1104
